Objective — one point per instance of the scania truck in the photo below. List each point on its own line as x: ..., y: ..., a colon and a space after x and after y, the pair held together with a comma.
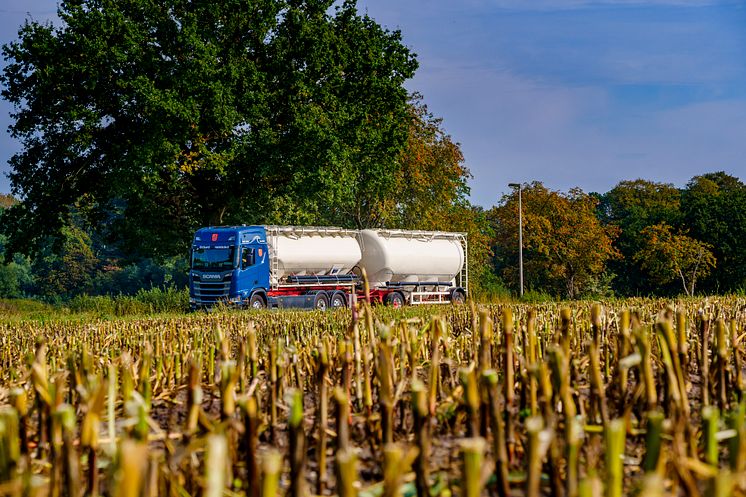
x: 321, y: 267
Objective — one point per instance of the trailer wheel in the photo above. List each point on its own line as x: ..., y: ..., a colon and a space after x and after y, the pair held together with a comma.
x: 257, y: 301
x: 337, y: 300
x: 458, y: 297
x: 395, y: 300
x: 320, y: 302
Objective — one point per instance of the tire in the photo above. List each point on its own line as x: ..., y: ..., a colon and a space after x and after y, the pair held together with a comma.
x: 321, y: 302
x: 337, y: 300
x: 395, y: 300
x: 257, y: 301
x: 458, y: 297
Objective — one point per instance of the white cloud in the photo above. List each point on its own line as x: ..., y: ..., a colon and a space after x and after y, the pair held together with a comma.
x: 512, y: 128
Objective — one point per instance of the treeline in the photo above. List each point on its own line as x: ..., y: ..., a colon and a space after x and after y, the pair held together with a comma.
x: 141, y: 121
x: 640, y: 238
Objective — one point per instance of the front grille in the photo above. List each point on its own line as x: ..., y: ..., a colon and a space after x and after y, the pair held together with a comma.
x: 211, y: 292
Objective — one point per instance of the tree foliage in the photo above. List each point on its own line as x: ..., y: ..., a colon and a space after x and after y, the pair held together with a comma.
x: 175, y: 114
x: 15, y: 272
x: 632, y: 206
x: 67, y: 265
x: 6, y: 201
x: 16, y: 277
x: 666, y: 255
x: 565, y: 245
x: 432, y: 179
x: 430, y: 191
x: 714, y: 211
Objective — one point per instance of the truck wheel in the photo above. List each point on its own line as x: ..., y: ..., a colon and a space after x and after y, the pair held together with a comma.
x: 394, y: 299
x: 257, y: 301
x: 337, y: 300
x: 458, y: 297
x: 320, y: 302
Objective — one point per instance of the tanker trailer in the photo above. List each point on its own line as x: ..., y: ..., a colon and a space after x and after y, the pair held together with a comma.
x: 320, y: 267
x: 415, y: 267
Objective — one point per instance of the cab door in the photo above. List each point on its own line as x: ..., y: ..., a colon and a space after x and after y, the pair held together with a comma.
x: 253, y: 268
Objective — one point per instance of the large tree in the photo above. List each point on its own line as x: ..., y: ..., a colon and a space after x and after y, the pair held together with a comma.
x: 173, y: 114
x: 66, y: 263
x: 667, y: 255
x: 430, y: 191
x: 632, y: 206
x: 565, y: 245
x: 433, y: 178
x: 714, y: 210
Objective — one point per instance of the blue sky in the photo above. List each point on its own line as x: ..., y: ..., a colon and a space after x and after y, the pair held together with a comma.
x: 569, y: 92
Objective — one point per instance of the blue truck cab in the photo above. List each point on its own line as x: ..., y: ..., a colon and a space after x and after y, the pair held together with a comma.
x: 229, y: 265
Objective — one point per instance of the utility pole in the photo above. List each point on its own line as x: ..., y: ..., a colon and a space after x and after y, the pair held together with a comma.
x: 520, y: 233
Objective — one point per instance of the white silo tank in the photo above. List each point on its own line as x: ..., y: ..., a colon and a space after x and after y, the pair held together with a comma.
x: 305, y: 251
x: 411, y: 256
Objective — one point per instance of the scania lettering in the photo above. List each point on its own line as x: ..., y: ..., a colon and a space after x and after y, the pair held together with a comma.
x: 321, y: 267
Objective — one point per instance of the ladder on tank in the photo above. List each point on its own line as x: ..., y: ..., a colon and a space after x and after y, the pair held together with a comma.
x: 274, y: 261
x: 463, y: 279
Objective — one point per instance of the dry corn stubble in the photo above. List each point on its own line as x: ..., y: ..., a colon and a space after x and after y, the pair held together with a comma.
x: 574, y: 399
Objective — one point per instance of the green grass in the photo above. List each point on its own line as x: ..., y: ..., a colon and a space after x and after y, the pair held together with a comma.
x: 11, y: 306
x: 155, y: 301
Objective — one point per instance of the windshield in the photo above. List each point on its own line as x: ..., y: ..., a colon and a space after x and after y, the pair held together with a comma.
x: 213, y: 258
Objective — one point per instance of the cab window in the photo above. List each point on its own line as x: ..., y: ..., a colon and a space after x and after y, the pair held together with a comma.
x: 247, y: 257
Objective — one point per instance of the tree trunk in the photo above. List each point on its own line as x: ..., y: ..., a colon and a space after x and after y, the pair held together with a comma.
x: 571, y: 287
x: 695, y: 270
x: 683, y: 282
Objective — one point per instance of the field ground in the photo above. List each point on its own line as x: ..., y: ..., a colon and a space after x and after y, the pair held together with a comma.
x: 556, y: 399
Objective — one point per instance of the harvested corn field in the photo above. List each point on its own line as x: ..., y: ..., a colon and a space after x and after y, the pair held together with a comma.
x: 585, y: 399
